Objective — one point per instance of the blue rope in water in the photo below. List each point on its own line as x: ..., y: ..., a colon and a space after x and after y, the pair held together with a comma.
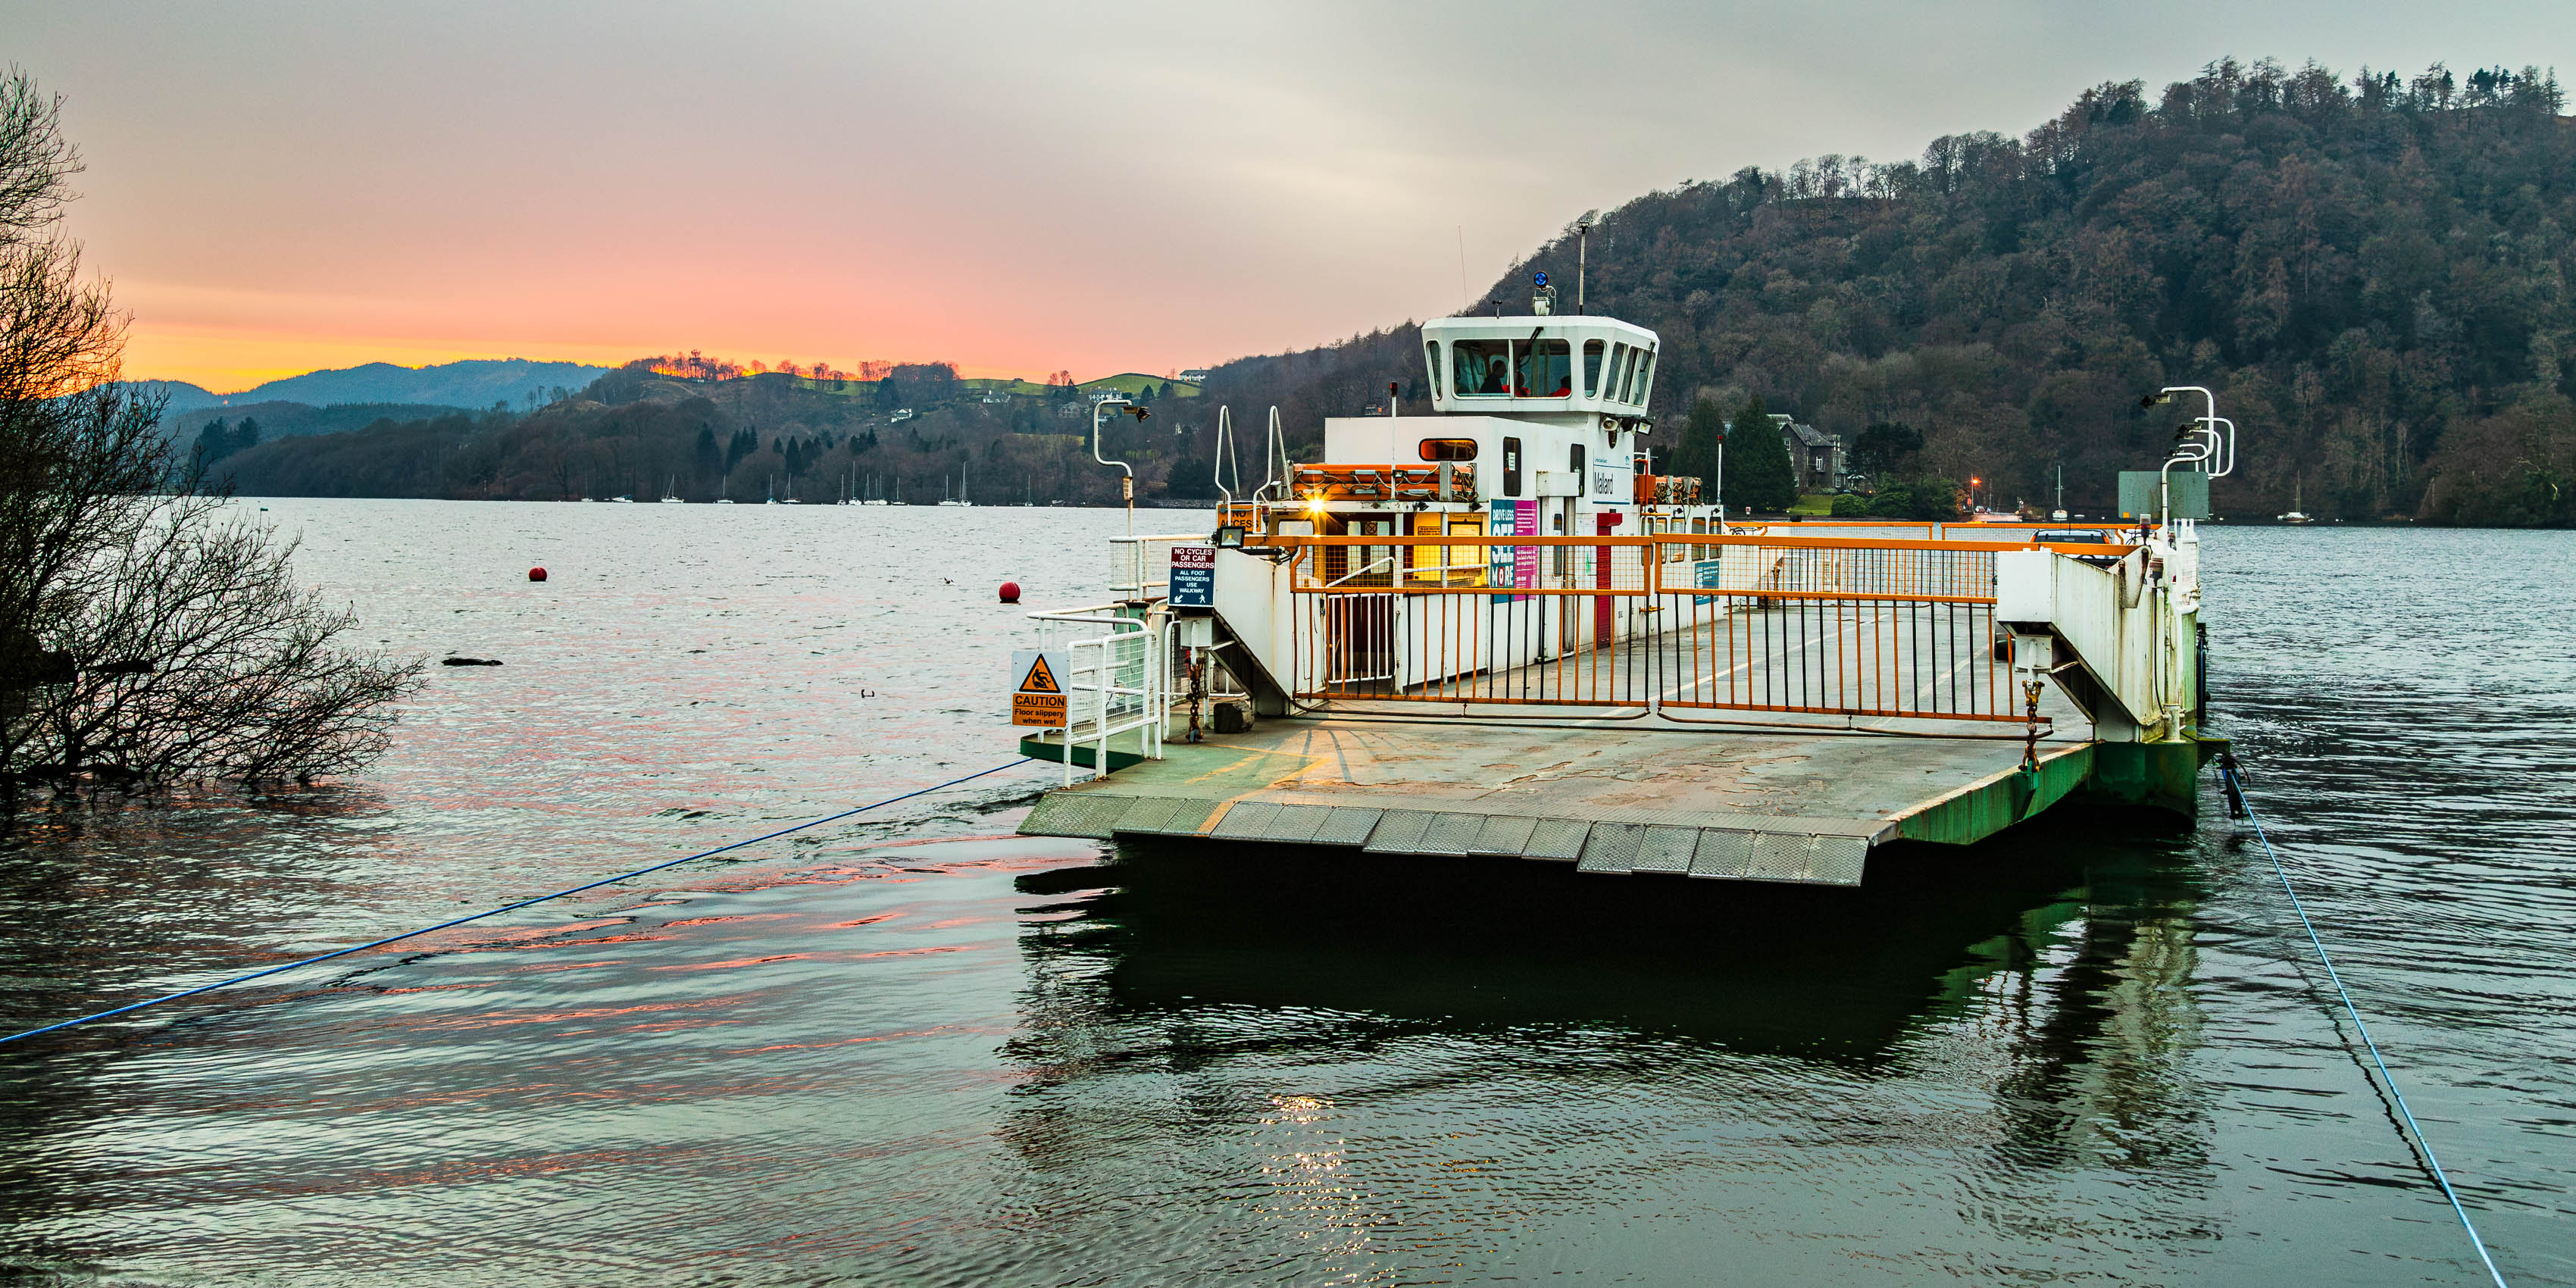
x: 2390, y: 1079
x: 507, y: 907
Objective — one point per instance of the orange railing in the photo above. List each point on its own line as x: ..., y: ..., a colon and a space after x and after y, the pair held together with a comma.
x: 1671, y: 623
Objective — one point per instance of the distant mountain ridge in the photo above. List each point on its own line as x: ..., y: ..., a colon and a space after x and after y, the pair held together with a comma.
x: 182, y: 395
x: 474, y: 382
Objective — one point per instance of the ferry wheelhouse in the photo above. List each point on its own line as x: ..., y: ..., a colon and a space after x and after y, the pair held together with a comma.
x: 1538, y: 427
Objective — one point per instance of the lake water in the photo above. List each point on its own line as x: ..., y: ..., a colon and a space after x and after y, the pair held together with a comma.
x: 918, y: 1049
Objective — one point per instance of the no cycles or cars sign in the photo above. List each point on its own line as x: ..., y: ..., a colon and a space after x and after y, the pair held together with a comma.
x: 1193, y: 580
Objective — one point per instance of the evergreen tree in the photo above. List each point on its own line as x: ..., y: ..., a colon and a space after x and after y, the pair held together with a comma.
x: 214, y: 443
x: 1882, y: 450
x: 1696, y: 455
x: 246, y: 435
x: 1759, y: 476
x: 709, y: 460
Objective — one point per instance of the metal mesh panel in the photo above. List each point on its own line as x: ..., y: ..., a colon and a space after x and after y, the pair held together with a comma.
x: 1296, y: 824
x: 1400, y: 832
x: 1666, y: 849
x: 1247, y: 821
x: 1151, y: 814
x: 1450, y: 834
x: 1779, y: 856
x: 1348, y: 826
x: 1191, y: 818
x: 1075, y: 814
x: 1612, y: 848
x: 1838, y: 860
x: 1503, y: 834
x: 1558, y: 838
x: 1723, y: 853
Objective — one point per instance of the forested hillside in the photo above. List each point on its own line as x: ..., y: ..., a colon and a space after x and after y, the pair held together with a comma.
x: 652, y: 425
x: 2372, y: 273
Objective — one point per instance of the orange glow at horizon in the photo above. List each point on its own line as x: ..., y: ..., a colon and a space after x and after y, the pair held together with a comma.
x: 1017, y: 188
x: 230, y: 362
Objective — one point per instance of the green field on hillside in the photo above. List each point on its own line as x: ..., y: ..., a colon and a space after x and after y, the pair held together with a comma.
x: 1007, y: 384
x: 1130, y: 383
x: 1134, y: 382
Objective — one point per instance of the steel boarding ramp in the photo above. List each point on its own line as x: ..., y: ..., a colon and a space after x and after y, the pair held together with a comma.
x: 1681, y: 849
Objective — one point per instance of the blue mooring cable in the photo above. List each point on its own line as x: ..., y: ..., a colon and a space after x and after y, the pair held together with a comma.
x: 2237, y: 786
x: 494, y: 912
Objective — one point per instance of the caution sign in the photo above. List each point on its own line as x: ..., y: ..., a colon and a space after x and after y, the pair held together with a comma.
x: 1039, y: 699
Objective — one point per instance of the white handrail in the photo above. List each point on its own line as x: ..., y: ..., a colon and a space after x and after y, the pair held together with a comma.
x: 1105, y: 614
x: 1106, y: 690
x: 1224, y: 453
x: 1134, y: 560
x: 1275, y: 470
x: 2222, y: 447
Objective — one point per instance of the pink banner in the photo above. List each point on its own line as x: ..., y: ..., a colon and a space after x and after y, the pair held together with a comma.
x: 1525, y: 558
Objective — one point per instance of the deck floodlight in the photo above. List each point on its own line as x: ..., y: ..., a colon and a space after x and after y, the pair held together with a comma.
x: 1230, y: 537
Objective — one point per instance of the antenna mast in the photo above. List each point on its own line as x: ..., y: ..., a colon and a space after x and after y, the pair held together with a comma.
x: 1582, y: 248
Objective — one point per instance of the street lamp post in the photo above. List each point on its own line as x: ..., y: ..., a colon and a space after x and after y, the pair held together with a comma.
x: 1126, y: 481
x: 1126, y: 475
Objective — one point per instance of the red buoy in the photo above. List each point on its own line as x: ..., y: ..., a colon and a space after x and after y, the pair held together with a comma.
x: 536, y: 574
x: 1010, y: 592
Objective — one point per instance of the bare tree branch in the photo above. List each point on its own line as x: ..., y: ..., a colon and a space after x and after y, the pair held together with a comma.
x: 144, y: 637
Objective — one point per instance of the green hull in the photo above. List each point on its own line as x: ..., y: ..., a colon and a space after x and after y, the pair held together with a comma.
x: 2159, y: 775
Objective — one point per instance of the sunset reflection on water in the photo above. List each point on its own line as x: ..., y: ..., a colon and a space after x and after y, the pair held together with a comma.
x: 921, y: 1048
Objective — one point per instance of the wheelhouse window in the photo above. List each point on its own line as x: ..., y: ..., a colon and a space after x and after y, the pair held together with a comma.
x: 1481, y: 368
x: 1431, y: 357
x: 1645, y: 377
x: 1511, y: 368
x: 1544, y: 369
x: 1619, y: 355
x: 1448, y: 449
x: 1593, y: 352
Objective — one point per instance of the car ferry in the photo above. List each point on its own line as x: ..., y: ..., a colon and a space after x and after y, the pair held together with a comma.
x: 1494, y: 629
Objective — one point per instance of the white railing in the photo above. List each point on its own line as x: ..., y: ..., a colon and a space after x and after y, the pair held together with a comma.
x: 1117, y: 678
x: 1132, y: 561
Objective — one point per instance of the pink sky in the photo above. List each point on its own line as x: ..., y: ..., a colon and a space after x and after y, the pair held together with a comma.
x: 1016, y: 188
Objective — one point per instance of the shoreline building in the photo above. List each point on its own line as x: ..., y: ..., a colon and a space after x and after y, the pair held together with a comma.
x: 1815, y: 456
